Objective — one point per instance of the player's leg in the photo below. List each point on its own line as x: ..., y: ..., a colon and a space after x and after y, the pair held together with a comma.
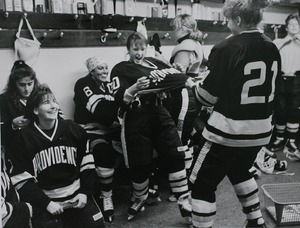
x: 170, y: 150
x: 105, y: 157
x: 140, y: 183
x: 89, y: 216
x: 293, y: 118
x: 245, y: 185
x: 43, y: 219
x: 280, y: 111
x: 209, y: 169
x: 136, y: 137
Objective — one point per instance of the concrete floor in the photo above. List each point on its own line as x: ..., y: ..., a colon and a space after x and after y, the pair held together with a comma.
x: 166, y: 214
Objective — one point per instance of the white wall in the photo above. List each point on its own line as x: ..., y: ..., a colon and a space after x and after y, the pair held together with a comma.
x: 61, y: 68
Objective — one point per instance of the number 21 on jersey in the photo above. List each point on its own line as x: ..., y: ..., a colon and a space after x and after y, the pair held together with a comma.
x: 259, y: 65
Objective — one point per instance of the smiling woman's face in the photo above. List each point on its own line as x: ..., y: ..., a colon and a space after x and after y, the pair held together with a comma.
x: 137, y: 52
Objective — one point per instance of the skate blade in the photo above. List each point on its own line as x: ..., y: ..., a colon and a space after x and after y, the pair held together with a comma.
x: 130, y: 217
x: 110, y: 218
x: 151, y: 202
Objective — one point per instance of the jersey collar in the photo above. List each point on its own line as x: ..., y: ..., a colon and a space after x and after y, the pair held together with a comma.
x: 44, y: 134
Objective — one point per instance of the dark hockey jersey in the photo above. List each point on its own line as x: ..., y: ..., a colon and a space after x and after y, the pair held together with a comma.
x: 14, y: 213
x: 96, y: 109
x: 162, y: 77
x: 60, y: 163
x: 241, y: 86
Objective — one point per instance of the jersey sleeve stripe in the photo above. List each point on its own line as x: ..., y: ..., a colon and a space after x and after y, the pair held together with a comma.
x: 19, y: 180
x: 87, y: 159
x: 93, y: 102
x: 205, y: 97
x: 87, y: 167
x: 64, y: 191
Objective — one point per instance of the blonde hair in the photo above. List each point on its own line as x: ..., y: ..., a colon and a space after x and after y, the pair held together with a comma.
x: 187, y: 21
x: 250, y: 11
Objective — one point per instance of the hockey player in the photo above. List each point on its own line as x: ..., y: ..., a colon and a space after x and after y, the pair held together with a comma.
x: 241, y: 84
x: 21, y: 83
x: 147, y: 124
x: 96, y: 111
x: 189, y: 54
x: 53, y: 168
x: 14, y: 213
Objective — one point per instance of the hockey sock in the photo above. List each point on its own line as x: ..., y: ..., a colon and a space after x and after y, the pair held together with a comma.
x: 203, y: 213
x: 292, y: 129
x: 247, y: 193
x: 178, y: 183
x: 105, y: 177
x: 140, y: 190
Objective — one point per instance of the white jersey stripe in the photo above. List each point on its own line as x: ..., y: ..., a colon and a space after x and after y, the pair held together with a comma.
x: 202, y: 93
x: 205, y: 149
x: 235, y: 142
x: 124, y: 147
x: 238, y: 127
x: 64, y: 191
x: 183, y: 111
x: 19, y: 179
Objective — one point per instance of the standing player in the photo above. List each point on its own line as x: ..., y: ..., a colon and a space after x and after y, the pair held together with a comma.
x: 96, y: 111
x: 147, y: 124
x: 287, y: 113
x: 240, y: 86
x: 53, y: 168
x: 189, y: 54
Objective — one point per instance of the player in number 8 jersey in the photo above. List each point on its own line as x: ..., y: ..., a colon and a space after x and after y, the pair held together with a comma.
x: 241, y: 87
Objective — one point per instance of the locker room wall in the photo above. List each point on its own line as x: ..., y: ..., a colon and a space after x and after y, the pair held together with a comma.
x: 61, y: 68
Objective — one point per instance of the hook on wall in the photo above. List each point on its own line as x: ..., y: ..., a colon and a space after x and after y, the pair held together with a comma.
x: 144, y: 19
x: 76, y: 17
x: 6, y: 15
x: 60, y: 35
x: 131, y: 19
x: 119, y: 35
x: 166, y: 36
x: 91, y: 17
x: 104, y: 37
x: 224, y: 21
x: 45, y: 34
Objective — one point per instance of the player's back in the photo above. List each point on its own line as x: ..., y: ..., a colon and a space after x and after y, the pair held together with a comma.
x: 249, y: 64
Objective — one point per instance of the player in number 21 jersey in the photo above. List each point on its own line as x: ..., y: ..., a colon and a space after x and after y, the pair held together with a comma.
x: 241, y: 86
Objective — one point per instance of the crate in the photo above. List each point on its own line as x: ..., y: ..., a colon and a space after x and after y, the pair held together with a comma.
x: 282, y: 202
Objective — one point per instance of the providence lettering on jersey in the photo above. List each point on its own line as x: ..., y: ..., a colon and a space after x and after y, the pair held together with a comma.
x: 53, y: 156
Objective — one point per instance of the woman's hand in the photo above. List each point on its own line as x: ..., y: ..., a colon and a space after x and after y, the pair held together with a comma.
x: 142, y: 83
x: 55, y: 208
x: 179, y: 67
x: 20, y: 122
x: 189, y: 83
x: 81, y: 200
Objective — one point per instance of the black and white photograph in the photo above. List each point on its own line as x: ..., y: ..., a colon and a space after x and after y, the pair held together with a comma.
x: 150, y: 113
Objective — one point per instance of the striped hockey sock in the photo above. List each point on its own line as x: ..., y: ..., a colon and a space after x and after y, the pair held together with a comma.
x: 247, y: 193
